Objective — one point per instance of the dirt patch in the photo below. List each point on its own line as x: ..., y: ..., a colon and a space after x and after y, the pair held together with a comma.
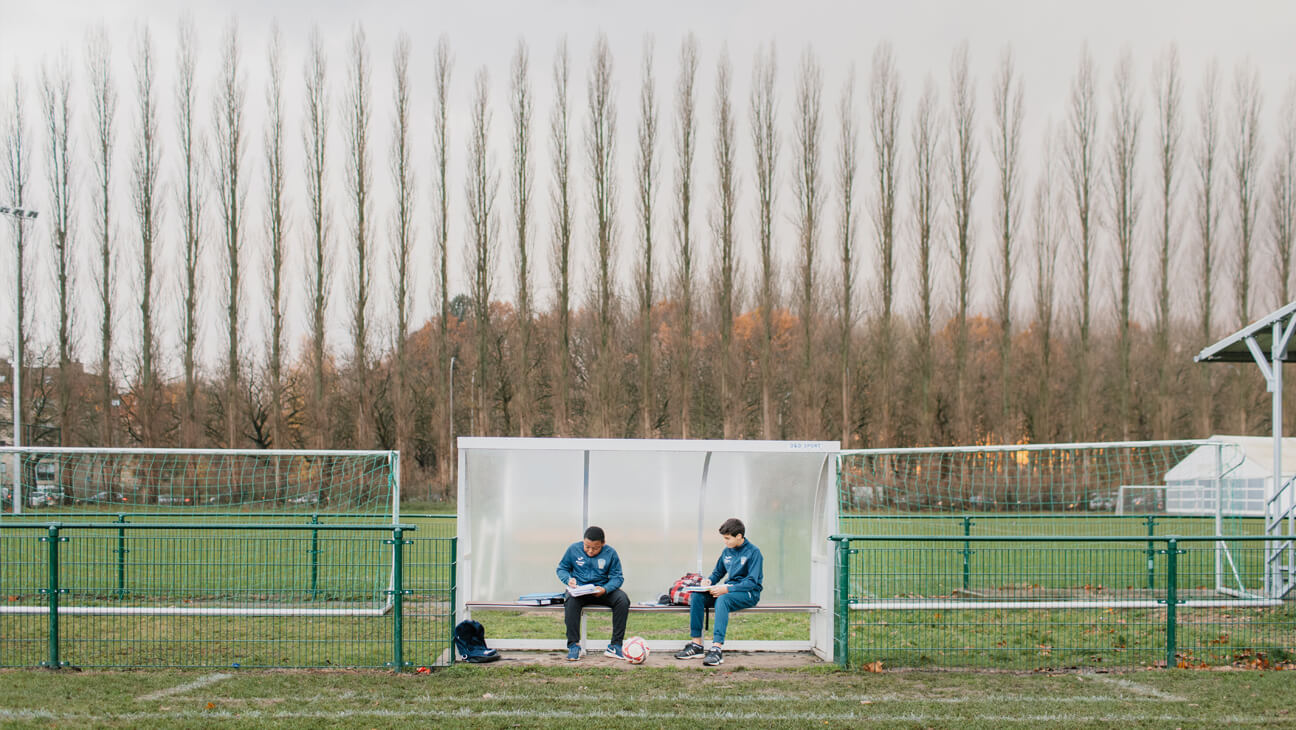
x: 732, y: 660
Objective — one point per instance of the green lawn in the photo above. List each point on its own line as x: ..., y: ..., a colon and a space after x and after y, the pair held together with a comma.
x: 660, y: 694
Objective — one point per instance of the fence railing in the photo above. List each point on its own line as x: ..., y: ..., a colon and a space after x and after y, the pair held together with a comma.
x: 1056, y: 602
x: 197, y: 594
x: 985, y: 526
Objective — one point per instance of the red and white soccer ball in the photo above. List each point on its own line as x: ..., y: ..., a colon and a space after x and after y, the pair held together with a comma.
x: 635, y: 650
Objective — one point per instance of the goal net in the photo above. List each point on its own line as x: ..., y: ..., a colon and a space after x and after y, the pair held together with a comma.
x: 360, y: 484
x: 1022, y: 490
x: 1151, y: 499
x: 203, y: 531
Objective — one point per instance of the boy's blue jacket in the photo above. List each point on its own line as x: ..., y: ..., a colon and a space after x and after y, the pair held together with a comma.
x: 744, y: 566
x: 603, y: 569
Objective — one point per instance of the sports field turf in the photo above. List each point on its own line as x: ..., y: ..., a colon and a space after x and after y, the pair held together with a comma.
x: 660, y: 694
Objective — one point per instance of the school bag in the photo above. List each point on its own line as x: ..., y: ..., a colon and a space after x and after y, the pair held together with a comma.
x: 470, y: 642
x: 680, y: 597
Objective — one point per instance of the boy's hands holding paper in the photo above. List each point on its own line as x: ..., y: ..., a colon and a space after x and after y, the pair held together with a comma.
x: 584, y: 590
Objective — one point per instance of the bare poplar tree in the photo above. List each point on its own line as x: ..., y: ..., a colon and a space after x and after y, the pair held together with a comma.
x: 685, y: 148
x: 847, y: 169
x: 522, y: 175
x: 1283, y: 203
x: 1047, y: 237
x: 1245, y: 159
x: 276, y: 223
x: 765, y: 148
x: 1166, y: 81
x: 1081, y: 147
x: 190, y: 198
x: 646, y: 168
x: 56, y: 98
x: 722, y: 227
x: 1006, y: 147
x: 17, y: 175
x: 103, y: 109
x: 560, y: 143
x: 926, y: 199
x: 402, y: 233
x: 359, y: 183
x: 479, y: 191
x: 319, y: 259
x: 144, y: 192
x: 600, y: 146
x: 232, y: 190
x: 1125, y: 204
x: 441, y: 70
x: 809, y: 194
x: 1207, y: 206
x: 962, y: 161
x: 884, y: 97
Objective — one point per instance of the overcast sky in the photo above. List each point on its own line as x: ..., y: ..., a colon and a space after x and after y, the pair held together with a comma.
x: 1045, y: 37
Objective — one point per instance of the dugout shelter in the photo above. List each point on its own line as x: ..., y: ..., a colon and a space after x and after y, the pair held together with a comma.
x: 522, y: 501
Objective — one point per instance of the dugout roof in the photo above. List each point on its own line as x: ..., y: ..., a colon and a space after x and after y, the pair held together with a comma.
x: 1237, y: 347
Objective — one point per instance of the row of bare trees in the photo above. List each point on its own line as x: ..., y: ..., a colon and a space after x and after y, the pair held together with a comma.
x: 755, y: 308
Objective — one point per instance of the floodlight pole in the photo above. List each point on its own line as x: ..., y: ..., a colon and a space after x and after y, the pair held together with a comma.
x: 452, y: 433
x: 22, y: 216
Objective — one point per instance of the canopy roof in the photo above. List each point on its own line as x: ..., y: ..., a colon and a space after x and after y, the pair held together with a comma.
x: 1234, y: 348
x: 1253, y: 459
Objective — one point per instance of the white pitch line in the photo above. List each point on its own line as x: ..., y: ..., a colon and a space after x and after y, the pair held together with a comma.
x: 499, y: 697
x: 1139, y: 689
x: 181, y: 689
x: 863, y: 716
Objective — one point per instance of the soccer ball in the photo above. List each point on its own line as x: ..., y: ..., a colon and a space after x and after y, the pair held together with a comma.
x: 635, y: 650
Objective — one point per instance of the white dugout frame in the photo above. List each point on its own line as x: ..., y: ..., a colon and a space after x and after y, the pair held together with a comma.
x: 522, y: 501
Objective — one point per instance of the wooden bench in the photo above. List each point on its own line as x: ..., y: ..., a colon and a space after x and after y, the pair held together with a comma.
x: 659, y: 645
x: 639, y: 607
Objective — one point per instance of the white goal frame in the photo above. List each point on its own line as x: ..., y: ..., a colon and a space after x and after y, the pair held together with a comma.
x: 393, y: 458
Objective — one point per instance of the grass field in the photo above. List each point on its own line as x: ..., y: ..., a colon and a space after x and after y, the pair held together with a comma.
x: 660, y: 694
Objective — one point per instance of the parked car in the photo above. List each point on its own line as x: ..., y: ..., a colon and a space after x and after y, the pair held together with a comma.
x: 44, y: 495
x: 173, y: 499
x: 311, y: 498
x: 106, y: 498
x: 1102, y: 501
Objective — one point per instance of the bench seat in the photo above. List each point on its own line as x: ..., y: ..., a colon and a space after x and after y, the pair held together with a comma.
x: 758, y: 608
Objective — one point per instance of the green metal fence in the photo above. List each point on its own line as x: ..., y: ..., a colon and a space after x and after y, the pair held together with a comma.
x: 1057, y: 602
x: 150, y: 594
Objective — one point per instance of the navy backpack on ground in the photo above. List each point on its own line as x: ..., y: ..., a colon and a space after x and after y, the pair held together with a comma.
x: 470, y: 643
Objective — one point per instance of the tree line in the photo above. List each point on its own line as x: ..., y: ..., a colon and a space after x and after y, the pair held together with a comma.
x: 812, y: 273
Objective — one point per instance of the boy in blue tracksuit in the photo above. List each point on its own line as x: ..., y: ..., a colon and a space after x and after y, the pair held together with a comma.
x: 593, y: 562
x: 743, y: 563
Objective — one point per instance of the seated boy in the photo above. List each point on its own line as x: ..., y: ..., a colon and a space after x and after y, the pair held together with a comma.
x: 743, y: 563
x: 592, y: 562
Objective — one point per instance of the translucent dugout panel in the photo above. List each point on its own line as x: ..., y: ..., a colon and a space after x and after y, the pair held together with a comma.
x: 523, y: 501
x: 647, y: 502
x: 523, y: 510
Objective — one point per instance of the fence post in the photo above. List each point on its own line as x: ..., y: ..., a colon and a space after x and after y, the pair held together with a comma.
x: 841, y: 646
x: 314, y: 553
x: 398, y: 543
x: 454, y: 564
x: 1151, y: 551
x: 52, y: 591
x: 121, y: 557
x: 967, y: 552
x: 1172, y: 598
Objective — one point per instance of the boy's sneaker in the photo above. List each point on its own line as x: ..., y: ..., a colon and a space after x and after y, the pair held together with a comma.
x: 614, y: 652
x: 574, y: 653
x: 714, y: 657
x: 690, y: 651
